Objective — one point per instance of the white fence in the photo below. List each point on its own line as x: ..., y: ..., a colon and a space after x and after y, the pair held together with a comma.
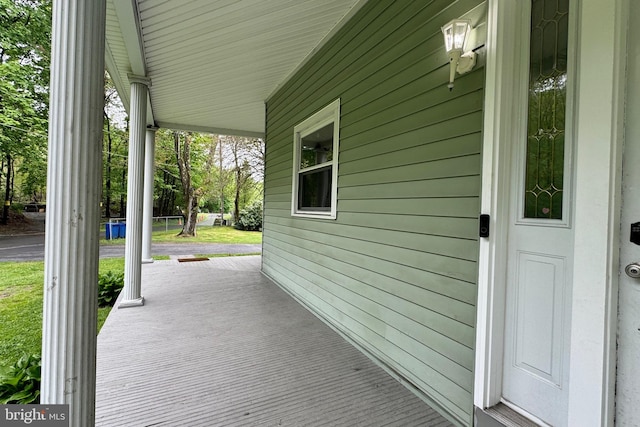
x: 204, y: 219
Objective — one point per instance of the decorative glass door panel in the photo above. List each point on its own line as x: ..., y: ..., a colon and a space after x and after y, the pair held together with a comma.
x: 545, y: 154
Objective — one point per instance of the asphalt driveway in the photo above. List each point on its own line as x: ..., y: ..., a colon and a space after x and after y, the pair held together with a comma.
x: 30, y: 247
x: 26, y: 243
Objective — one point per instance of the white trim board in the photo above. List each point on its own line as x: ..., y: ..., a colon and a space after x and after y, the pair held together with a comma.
x: 599, y: 120
x: 499, y: 108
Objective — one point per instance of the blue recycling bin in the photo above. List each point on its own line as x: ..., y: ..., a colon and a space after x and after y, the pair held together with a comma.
x: 110, y: 229
x: 122, y: 230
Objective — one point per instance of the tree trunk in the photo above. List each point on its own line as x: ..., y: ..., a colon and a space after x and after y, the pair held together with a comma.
x: 235, y: 147
x: 107, y: 210
x: 123, y: 191
x: 183, y: 158
x: 221, y: 185
x: 236, y: 200
x: 7, y: 193
x: 164, y: 201
x: 189, y: 228
x: 13, y: 179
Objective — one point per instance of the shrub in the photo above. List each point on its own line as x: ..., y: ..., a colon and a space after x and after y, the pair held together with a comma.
x: 20, y: 383
x: 250, y: 218
x: 109, y: 286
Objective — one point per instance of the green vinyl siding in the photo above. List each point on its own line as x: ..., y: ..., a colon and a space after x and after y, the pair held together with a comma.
x: 396, y: 271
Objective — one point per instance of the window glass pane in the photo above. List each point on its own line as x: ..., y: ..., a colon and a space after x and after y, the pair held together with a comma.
x: 547, y: 103
x: 314, y: 190
x: 317, y: 147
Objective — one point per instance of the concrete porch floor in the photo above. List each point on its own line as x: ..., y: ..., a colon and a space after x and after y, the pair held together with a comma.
x: 219, y: 344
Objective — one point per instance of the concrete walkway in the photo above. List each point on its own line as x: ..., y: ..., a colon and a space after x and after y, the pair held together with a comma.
x: 218, y: 344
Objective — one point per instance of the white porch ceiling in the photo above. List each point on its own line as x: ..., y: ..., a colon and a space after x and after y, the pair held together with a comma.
x: 213, y: 63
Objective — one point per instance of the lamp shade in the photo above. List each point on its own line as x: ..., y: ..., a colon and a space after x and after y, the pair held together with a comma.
x: 455, y: 34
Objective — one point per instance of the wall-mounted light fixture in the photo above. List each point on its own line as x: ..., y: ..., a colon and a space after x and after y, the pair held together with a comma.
x: 456, y: 33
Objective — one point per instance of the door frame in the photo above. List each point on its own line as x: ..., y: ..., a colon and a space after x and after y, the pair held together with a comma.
x: 598, y: 131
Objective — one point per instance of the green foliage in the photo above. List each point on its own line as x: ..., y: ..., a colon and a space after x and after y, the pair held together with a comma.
x: 250, y: 218
x: 33, y: 171
x: 168, y: 189
x: 233, y: 174
x: 109, y: 286
x: 25, y: 32
x: 115, y: 151
x: 20, y: 382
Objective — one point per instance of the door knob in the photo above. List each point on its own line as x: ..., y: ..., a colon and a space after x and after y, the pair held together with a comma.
x: 633, y: 270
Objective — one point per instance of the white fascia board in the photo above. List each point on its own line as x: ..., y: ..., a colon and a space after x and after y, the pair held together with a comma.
x: 213, y: 130
x: 121, y: 87
x: 127, y: 13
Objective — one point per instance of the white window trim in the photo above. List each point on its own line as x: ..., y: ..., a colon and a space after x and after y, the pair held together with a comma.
x: 329, y: 114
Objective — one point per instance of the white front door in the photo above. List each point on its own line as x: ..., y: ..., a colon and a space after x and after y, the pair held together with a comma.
x: 628, y: 368
x: 540, y: 234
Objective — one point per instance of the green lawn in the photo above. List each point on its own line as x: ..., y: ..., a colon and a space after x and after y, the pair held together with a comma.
x: 205, y: 234
x: 21, y: 285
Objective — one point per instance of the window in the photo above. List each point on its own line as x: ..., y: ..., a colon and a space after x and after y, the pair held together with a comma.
x: 545, y: 157
x: 315, y: 164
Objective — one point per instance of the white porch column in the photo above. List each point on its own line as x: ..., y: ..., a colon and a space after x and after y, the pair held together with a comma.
x: 147, y: 222
x: 73, y: 208
x: 133, y: 247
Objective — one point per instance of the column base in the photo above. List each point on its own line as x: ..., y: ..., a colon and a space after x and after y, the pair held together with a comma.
x: 132, y: 303
x: 147, y: 261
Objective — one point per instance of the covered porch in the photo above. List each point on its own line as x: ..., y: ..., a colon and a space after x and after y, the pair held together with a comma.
x: 218, y: 343
x: 219, y: 61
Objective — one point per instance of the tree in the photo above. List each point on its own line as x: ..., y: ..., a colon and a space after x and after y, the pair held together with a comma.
x: 25, y: 34
x: 222, y: 179
x: 247, y: 161
x: 166, y: 181
x: 206, y: 172
x: 115, y: 149
x: 190, y: 190
x: 213, y: 183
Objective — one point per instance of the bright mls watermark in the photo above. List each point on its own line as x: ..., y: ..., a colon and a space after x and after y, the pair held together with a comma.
x: 34, y: 415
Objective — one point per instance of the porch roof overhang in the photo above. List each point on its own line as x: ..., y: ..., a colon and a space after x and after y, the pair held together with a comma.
x: 213, y: 63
